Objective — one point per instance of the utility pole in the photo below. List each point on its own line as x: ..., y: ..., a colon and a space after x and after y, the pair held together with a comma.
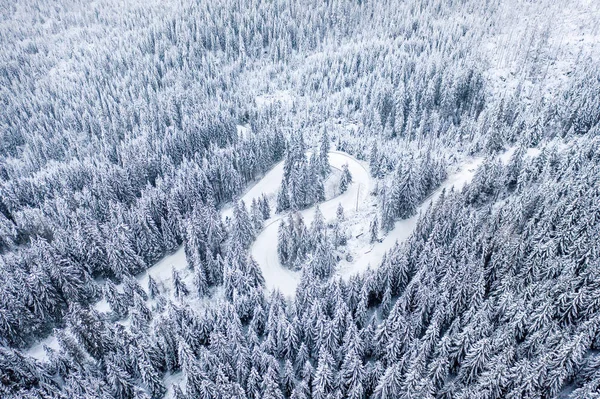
x: 357, y: 192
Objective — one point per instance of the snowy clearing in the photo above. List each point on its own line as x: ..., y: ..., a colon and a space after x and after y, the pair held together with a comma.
x: 364, y: 254
x: 269, y: 185
x: 38, y: 351
x: 282, y: 97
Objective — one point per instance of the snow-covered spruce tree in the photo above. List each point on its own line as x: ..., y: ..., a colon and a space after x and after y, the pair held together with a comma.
x: 169, y: 236
x: 140, y: 314
x: 153, y: 289
x: 115, y: 299
x: 283, y: 199
x: 151, y: 378
x: 300, y: 243
x: 302, y: 183
x: 256, y: 215
x: 119, y: 380
x: 265, y: 207
x: 374, y: 230
x: 242, y: 230
x: 324, y: 381
x: 323, y: 155
x: 283, y: 242
x: 122, y: 258
x: 323, y: 262
x: 339, y: 212
x: 131, y: 287
x: 179, y: 287
x: 387, y: 210
x: 254, y: 274
x: 404, y: 191
x: 201, y: 281
x: 270, y: 385
x: 318, y: 230
x: 374, y: 160
x: 345, y: 179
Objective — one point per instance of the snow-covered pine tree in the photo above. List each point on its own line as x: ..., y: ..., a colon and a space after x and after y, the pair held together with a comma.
x: 324, y: 381
x: 256, y: 215
x: 153, y: 289
x: 324, y: 154
x: 264, y: 207
x: 404, y: 192
x: 283, y: 200
x: 387, y: 211
x: 374, y: 230
x: 242, y: 230
x: 283, y: 243
x: 179, y: 287
x: 201, y: 281
x: 345, y: 179
x: 374, y: 161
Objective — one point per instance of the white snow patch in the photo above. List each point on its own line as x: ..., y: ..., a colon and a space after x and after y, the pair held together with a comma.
x: 268, y: 185
x: 533, y: 152
x: 243, y: 131
x: 162, y: 271
x: 170, y: 380
x: 102, y: 306
x: 353, y: 127
x: 506, y: 155
x: 38, y: 352
x: 280, y: 97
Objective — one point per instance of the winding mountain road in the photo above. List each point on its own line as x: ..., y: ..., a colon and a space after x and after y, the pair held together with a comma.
x: 264, y: 249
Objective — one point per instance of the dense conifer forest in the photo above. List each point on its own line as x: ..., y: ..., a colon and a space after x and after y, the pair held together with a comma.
x: 270, y: 199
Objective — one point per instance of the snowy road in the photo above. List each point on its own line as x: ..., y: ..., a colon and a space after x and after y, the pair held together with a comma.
x: 264, y: 249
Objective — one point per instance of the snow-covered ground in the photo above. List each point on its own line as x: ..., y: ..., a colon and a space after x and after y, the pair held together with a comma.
x: 269, y: 185
x: 161, y: 272
x: 538, y: 44
x: 38, y: 352
x: 282, y: 97
x: 171, y: 380
x: 530, y: 152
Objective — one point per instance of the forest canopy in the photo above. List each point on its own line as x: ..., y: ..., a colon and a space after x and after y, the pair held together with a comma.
x: 132, y: 135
